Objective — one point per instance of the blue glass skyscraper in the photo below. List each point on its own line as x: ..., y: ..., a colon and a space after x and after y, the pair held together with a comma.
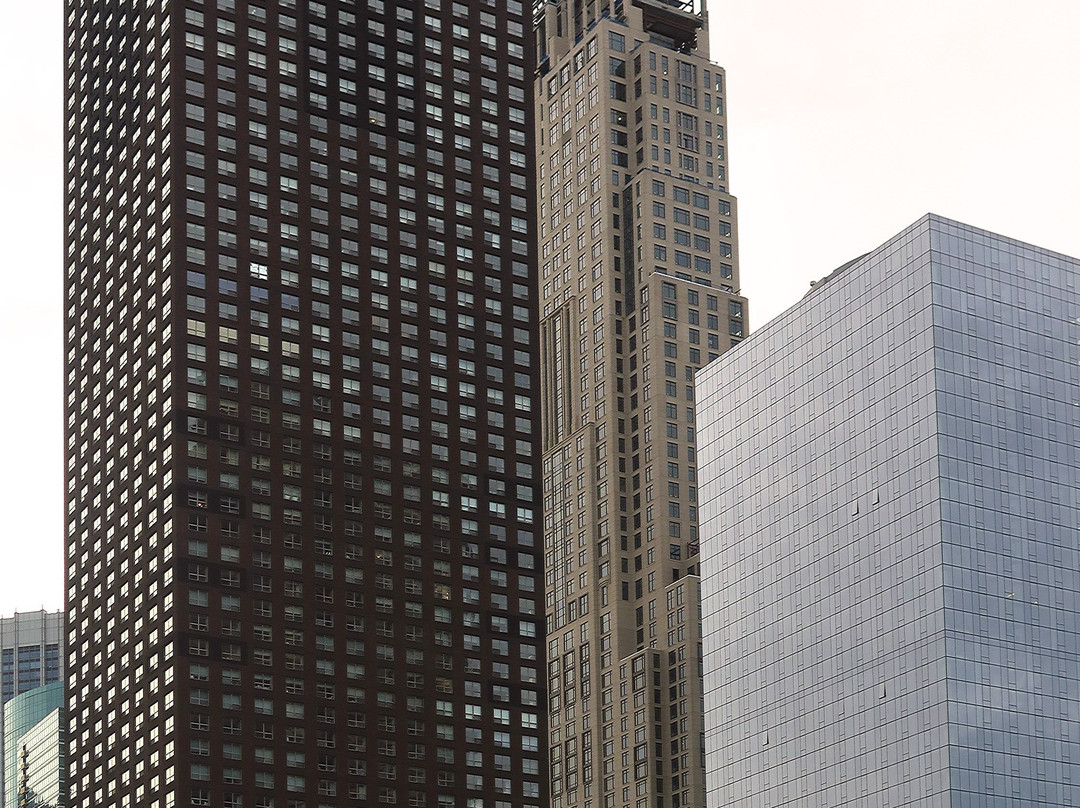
x: 890, y: 534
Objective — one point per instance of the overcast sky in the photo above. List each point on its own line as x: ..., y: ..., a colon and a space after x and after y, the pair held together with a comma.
x: 848, y: 120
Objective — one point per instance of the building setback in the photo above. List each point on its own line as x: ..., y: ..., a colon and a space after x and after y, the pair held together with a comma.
x: 639, y: 288
x: 890, y: 534
x: 303, y: 494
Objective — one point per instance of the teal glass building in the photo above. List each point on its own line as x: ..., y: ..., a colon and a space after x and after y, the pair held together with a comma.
x: 42, y: 778
x: 32, y: 690
x: 33, y: 749
x: 891, y: 535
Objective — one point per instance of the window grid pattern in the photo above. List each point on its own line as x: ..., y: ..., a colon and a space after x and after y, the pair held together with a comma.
x: 638, y: 268
x: 342, y: 598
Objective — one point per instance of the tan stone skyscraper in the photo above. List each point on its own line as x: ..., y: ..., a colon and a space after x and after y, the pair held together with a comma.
x: 639, y: 289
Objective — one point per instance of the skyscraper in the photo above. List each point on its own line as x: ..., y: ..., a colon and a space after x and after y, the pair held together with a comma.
x: 639, y: 288
x: 303, y: 550
x: 891, y: 534
x: 33, y: 748
x: 31, y: 689
x: 42, y: 768
x: 31, y: 652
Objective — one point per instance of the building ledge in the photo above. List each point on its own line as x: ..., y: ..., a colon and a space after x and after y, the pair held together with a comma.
x: 675, y: 20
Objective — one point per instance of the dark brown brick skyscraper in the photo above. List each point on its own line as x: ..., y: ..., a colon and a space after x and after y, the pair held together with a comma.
x: 302, y: 491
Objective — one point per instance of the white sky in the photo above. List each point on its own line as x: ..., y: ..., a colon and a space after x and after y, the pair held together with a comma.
x: 848, y: 120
